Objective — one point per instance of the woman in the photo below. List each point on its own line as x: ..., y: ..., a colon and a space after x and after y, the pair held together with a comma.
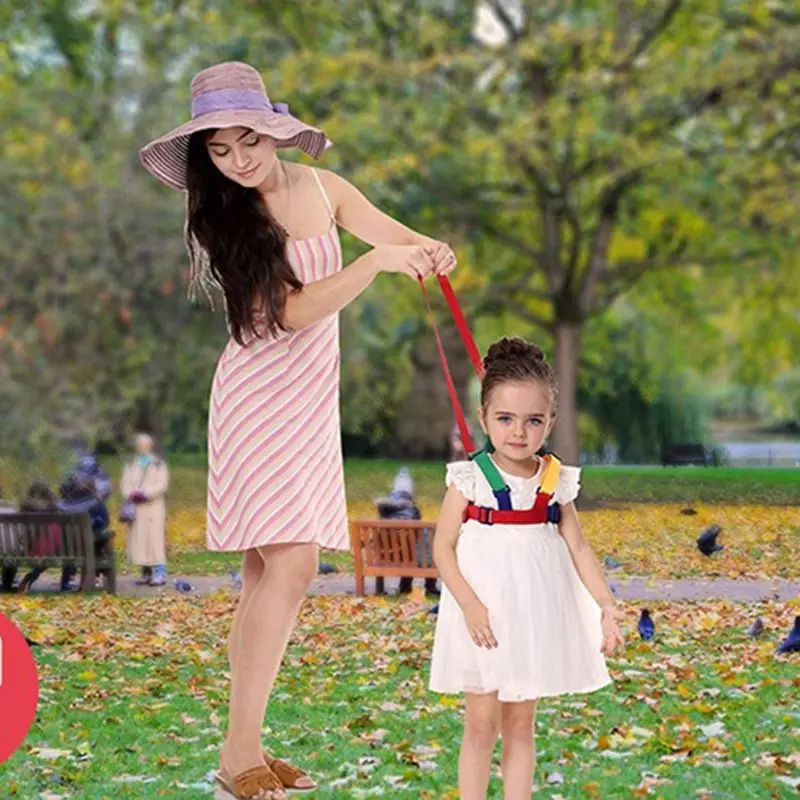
x: 144, y: 483
x: 263, y: 233
x: 41, y: 500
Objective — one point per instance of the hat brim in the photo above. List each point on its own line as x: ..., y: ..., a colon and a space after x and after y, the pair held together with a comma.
x: 167, y: 157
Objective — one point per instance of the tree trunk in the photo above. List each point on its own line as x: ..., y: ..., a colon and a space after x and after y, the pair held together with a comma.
x: 425, y: 424
x: 567, y: 348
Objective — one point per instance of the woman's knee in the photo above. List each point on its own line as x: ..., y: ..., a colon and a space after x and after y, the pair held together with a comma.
x: 293, y: 565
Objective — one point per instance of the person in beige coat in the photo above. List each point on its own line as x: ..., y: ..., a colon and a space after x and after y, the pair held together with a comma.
x: 145, y: 479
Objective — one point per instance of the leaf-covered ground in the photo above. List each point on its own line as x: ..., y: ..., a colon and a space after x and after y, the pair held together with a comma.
x: 134, y: 693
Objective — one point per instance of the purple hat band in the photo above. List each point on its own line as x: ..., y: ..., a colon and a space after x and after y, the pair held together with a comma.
x: 234, y: 100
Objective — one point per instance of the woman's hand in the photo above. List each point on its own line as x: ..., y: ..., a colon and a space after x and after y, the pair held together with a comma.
x: 476, y: 616
x: 444, y: 259
x: 612, y: 636
x: 414, y: 260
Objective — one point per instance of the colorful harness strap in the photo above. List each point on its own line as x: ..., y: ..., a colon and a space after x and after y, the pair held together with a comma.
x: 541, y: 511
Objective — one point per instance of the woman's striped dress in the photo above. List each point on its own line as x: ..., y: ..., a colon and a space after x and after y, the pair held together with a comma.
x: 275, y: 471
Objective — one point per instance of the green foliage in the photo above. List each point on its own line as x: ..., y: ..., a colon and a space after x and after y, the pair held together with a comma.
x: 596, y: 148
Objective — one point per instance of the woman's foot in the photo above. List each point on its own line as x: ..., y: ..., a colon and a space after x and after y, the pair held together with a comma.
x: 258, y: 780
x: 291, y: 777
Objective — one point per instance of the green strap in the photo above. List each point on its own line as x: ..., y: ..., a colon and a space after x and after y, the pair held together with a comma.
x: 489, y: 470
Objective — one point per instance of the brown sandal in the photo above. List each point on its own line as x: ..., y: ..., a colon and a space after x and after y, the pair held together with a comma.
x: 288, y: 774
x: 248, y: 784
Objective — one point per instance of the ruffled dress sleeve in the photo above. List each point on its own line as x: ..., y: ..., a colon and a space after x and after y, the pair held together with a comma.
x: 568, y: 486
x: 461, y: 474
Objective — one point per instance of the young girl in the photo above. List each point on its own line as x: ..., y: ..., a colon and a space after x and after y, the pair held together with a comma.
x: 525, y: 610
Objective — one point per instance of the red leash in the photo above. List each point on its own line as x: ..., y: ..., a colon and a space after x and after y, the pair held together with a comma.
x: 469, y: 344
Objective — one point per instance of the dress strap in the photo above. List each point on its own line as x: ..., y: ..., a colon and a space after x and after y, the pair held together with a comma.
x: 324, y: 195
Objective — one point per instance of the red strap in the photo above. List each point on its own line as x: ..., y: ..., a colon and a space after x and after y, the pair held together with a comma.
x: 461, y: 324
x: 491, y: 516
x: 469, y: 343
x: 461, y: 421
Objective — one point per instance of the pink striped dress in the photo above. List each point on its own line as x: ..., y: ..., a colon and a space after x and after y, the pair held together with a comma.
x: 275, y: 472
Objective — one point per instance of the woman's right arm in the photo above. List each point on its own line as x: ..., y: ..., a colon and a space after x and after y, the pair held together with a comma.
x: 325, y: 297
x: 444, y: 548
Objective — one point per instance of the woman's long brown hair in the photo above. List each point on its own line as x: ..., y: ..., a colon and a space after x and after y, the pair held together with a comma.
x: 245, y: 244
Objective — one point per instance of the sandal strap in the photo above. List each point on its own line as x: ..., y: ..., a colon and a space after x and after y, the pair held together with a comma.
x: 288, y: 773
x: 251, y: 781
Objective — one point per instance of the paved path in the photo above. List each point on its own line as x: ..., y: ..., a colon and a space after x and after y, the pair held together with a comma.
x: 625, y: 588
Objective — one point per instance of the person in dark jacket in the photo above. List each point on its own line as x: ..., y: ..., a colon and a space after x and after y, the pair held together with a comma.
x: 400, y: 505
x: 78, y: 496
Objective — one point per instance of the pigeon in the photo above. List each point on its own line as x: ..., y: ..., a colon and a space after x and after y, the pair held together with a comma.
x: 756, y: 629
x: 688, y: 512
x: 183, y: 586
x: 792, y: 642
x: 611, y: 563
x: 647, y: 628
x: 236, y: 578
x: 434, y: 609
x: 707, y: 541
x: 326, y: 569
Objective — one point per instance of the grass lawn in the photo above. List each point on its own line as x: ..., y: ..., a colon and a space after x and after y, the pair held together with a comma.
x: 134, y: 691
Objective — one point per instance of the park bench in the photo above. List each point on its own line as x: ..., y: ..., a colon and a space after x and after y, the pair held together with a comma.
x: 392, y: 548
x: 692, y: 453
x: 33, y: 540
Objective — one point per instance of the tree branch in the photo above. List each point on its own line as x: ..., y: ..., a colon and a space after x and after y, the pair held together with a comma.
x: 598, y: 251
x: 659, y: 26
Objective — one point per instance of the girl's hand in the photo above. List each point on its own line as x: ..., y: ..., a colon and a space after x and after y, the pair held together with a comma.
x: 612, y: 636
x: 444, y: 259
x: 413, y: 260
x: 476, y: 616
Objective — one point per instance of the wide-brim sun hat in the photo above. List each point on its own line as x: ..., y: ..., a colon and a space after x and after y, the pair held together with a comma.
x: 228, y: 95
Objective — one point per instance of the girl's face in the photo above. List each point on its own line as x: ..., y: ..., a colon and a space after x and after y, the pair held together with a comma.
x: 242, y: 155
x: 518, y: 419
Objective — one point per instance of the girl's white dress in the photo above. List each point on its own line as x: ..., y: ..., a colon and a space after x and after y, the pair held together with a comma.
x: 546, y: 622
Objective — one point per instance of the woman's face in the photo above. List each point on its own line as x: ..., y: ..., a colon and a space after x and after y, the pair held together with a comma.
x: 144, y: 444
x: 242, y: 155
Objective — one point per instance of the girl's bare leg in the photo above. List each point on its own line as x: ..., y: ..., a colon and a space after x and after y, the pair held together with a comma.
x: 260, y: 635
x: 519, y: 749
x: 481, y: 728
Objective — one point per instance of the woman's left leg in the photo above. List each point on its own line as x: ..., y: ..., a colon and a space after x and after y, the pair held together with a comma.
x: 519, y: 749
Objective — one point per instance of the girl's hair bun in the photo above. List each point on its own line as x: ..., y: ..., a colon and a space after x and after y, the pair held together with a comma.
x: 512, y: 359
x: 512, y: 349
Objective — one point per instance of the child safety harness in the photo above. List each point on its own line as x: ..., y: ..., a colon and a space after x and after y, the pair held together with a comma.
x: 541, y: 511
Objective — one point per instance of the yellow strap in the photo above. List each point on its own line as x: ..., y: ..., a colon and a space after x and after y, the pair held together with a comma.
x: 552, y: 469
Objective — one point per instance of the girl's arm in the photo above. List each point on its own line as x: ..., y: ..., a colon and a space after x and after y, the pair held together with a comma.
x: 444, y: 548
x: 586, y: 563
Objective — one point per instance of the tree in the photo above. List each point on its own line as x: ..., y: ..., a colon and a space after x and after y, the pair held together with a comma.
x: 590, y: 143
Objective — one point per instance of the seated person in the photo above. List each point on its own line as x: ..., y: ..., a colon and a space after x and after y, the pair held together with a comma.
x: 400, y: 505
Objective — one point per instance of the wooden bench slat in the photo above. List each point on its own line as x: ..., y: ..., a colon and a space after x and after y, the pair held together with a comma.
x: 392, y: 548
x: 23, y: 534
